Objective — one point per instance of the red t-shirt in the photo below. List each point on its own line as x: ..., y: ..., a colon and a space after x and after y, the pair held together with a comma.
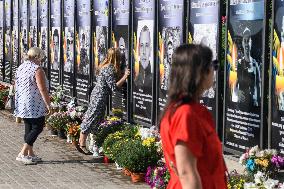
x: 193, y: 124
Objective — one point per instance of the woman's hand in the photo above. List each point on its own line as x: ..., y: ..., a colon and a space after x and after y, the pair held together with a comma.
x: 126, y: 73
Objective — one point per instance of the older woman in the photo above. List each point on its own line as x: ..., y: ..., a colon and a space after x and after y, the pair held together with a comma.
x: 31, y: 102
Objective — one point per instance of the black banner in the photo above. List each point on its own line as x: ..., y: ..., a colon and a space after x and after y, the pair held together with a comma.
x: 33, y: 23
x: 143, y: 59
x: 8, y: 42
x: 43, y: 31
x: 204, y: 19
x: 277, y: 93
x: 68, y: 47
x: 1, y: 39
x: 83, y: 44
x: 100, y: 29
x: 23, y: 29
x: 171, y: 27
x: 244, y: 66
x: 120, y: 39
x: 55, y: 26
x: 15, y: 38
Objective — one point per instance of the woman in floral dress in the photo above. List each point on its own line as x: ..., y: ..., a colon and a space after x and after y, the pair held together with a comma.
x: 107, y: 73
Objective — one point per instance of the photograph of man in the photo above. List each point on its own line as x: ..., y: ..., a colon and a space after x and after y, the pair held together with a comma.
x: 123, y: 53
x: 15, y: 46
x: 68, y: 66
x: 248, y: 74
x: 34, y: 39
x: 8, y: 44
x: 43, y: 44
x: 144, y: 78
x: 55, y: 40
x: 102, y: 42
x: 84, y: 59
x: 25, y: 41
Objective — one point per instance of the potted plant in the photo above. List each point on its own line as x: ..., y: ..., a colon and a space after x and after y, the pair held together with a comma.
x: 73, y: 131
x: 137, y: 155
x: 157, y: 177
x: 58, y: 121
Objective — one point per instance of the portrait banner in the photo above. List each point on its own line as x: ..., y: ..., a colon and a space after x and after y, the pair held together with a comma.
x: 243, y: 69
x: 83, y: 44
x: 143, y: 60
x: 1, y: 40
x: 68, y: 47
x: 205, y: 19
x: 120, y: 39
x: 44, y: 32
x: 100, y: 33
x: 8, y: 42
x: 33, y: 31
x: 15, y: 38
x: 170, y: 33
x: 55, y: 34
x: 277, y: 89
x: 23, y: 29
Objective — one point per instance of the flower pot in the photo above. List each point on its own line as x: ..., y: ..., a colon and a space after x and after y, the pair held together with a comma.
x: 61, y: 134
x: 138, y: 177
x: 75, y: 143
x: 18, y: 120
x: 107, y: 160
x: 126, y: 172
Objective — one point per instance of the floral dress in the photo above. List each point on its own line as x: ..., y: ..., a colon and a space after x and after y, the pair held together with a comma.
x: 106, y: 83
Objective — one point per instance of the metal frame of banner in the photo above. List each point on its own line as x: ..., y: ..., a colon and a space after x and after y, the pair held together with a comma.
x: 3, y: 48
x: 18, y: 47
x: 11, y: 35
x: 4, y: 39
x: 263, y: 124
x: 61, y: 64
x: 48, y: 42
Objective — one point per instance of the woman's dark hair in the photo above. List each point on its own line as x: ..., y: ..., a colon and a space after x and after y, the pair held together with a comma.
x: 190, y: 64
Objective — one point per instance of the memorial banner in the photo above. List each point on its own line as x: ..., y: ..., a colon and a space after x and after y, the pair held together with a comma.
x: 15, y: 38
x: 44, y: 32
x: 33, y: 23
x: 1, y: 39
x: 8, y: 42
x: 120, y: 39
x: 170, y: 32
x: 204, y: 23
x: 55, y: 51
x: 277, y: 93
x: 243, y: 68
x: 100, y: 32
x: 83, y: 47
x: 143, y: 60
x: 23, y: 29
x: 68, y: 47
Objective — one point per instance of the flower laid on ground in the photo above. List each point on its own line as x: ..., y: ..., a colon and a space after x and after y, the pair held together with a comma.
x: 266, y: 161
x: 157, y: 177
x: 73, y: 131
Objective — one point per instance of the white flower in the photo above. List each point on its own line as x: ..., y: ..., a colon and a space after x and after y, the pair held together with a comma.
x: 249, y: 185
x: 260, y: 154
x: 270, y: 183
x: 259, y: 177
x: 253, y: 150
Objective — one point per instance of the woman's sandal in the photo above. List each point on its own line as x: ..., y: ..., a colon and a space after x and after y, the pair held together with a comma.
x: 83, y: 150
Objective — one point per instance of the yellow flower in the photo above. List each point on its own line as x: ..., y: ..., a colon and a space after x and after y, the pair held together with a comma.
x: 148, y: 141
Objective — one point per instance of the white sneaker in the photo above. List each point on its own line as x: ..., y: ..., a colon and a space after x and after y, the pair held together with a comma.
x: 25, y: 159
x: 35, y: 158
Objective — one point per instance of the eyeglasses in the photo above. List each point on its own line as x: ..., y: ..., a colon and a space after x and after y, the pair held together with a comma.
x: 215, y: 64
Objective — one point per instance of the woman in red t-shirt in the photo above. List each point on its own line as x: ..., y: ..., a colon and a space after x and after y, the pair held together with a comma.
x: 191, y: 146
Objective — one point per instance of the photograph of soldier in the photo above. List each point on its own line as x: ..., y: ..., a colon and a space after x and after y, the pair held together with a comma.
x: 43, y: 44
x: 143, y: 79
x: 1, y: 43
x: 123, y: 53
x: 24, y: 41
x: 68, y: 64
x: 15, y: 46
x: 101, y: 33
x: 55, y: 45
x: 248, y: 74
x: 8, y: 44
x: 171, y: 37
x: 34, y: 37
x: 84, y: 55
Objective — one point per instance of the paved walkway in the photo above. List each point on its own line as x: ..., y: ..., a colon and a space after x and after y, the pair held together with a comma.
x: 62, y: 167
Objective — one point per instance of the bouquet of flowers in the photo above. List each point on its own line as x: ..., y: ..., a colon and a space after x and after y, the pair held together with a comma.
x: 108, y: 126
x: 73, y: 131
x: 157, y: 177
x: 57, y: 98
x: 58, y: 120
x: 266, y: 161
x: 117, y: 112
x: 76, y: 113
